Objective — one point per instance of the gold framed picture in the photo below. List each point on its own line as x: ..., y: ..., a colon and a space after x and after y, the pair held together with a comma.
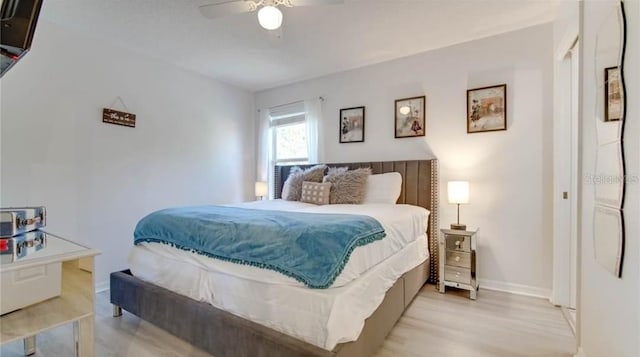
x: 487, y: 109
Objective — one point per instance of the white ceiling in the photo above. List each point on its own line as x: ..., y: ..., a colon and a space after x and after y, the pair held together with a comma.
x: 316, y: 40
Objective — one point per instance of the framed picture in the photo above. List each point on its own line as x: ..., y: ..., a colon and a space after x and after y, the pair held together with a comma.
x: 487, y: 109
x: 612, y: 94
x: 352, y: 125
x: 410, y: 117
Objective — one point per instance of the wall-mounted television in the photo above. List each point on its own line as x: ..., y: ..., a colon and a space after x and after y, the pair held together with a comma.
x: 17, y: 24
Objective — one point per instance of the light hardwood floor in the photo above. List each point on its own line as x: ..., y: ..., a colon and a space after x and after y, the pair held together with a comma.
x: 439, y: 325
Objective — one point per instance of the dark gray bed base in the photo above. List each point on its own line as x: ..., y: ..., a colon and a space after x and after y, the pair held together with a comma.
x: 224, y: 334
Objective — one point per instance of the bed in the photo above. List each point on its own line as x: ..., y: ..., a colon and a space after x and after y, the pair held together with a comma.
x: 232, y: 310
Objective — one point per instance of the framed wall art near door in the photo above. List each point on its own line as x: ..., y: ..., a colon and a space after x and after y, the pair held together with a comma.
x: 410, y: 117
x: 613, y: 98
x: 487, y: 109
x: 352, y: 125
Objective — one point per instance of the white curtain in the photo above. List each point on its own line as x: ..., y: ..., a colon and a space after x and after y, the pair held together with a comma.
x: 264, y: 169
x: 313, y: 112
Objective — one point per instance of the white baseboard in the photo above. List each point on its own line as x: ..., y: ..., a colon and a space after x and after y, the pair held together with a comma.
x: 580, y: 353
x: 102, y: 286
x: 570, y: 316
x: 514, y: 288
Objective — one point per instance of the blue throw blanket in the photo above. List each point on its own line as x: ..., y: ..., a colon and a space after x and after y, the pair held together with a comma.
x: 309, y: 247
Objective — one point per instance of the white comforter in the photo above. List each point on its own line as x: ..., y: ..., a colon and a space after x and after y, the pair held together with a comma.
x: 323, y: 317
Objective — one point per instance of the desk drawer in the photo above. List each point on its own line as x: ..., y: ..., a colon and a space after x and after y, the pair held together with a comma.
x: 458, y: 243
x: 28, y: 286
x: 458, y: 259
x: 459, y: 275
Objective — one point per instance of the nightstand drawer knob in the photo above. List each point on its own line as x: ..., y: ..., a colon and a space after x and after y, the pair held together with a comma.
x: 457, y: 259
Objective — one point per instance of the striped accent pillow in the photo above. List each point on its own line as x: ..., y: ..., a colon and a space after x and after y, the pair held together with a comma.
x: 316, y: 193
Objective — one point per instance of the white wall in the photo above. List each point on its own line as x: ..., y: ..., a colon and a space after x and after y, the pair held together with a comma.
x: 193, y: 141
x: 510, y: 171
x: 609, y: 308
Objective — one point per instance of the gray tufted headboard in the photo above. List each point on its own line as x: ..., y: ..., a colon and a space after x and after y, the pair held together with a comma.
x: 419, y: 188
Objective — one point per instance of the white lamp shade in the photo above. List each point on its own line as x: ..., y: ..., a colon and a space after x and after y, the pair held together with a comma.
x: 458, y: 192
x: 261, y: 189
x: 270, y: 17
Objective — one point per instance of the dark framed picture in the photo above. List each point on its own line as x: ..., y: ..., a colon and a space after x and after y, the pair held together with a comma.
x: 410, y: 117
x: 613, y: 97
x: 352, y: 125
x: 487, y: 109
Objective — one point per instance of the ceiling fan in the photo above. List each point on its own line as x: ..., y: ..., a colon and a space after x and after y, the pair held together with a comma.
x: 269, y: 15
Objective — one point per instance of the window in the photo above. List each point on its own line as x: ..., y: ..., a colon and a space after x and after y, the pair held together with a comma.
x: 288, y: 135
x: 291, y: 143
x: 289, y: 130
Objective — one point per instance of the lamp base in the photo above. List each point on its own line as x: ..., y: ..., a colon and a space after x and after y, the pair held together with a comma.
x: 458, y: 227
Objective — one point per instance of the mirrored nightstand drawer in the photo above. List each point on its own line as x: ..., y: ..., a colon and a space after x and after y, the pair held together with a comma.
x: 458, y: 259
x: 459, y: 275
x: 458, y: 243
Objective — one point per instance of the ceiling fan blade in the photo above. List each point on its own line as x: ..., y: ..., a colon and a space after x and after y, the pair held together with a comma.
x: 213, y: 11
x: 315, y: 2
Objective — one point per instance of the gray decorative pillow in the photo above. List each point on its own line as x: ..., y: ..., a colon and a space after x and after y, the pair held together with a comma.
x: 292, y: 189
x: 315, y: 174
x: 316, y: 193
x: 286, y: 188
x: 337, y: 170
x: 348, y: 187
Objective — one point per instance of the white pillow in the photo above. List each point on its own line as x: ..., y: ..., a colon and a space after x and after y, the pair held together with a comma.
x: 383, y: 188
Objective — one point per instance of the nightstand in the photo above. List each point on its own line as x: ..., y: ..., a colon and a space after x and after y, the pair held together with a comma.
x: 458, y: 260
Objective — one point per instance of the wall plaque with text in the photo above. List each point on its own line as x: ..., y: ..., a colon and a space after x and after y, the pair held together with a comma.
x: 119, y: 118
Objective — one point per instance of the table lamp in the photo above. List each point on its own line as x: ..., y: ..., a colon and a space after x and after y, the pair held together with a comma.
x: 458, y: 194
x: 262, y: 190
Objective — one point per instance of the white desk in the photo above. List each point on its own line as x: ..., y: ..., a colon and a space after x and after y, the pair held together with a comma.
x: 76, y: 303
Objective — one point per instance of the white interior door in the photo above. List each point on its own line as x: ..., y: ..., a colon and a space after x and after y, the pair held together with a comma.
x: 566, y: 179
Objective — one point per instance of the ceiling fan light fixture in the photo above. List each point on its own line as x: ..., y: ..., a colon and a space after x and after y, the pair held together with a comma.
x: 270, y: 17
